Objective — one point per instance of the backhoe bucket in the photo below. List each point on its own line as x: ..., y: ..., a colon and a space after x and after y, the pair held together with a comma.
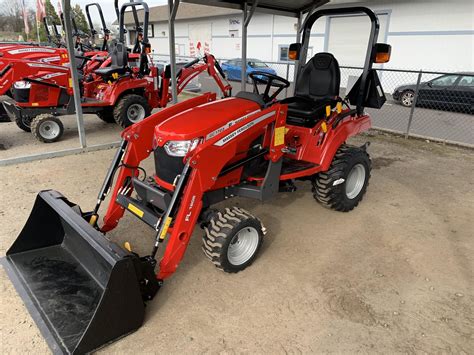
x: 81, y: 289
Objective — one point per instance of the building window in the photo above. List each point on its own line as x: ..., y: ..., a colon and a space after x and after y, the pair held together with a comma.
x: 151, y: 31
x: 283, y: 52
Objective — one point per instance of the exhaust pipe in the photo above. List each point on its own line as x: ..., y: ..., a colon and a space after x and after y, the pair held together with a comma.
x: 82, y: 290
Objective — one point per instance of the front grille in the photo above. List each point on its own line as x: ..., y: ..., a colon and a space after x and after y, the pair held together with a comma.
x: 167, y: 168
x: 21, y: 95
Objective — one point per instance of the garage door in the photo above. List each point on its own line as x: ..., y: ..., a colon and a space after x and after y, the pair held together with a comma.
x: 349, y: 35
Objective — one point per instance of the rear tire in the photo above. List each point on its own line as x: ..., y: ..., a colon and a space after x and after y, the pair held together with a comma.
x: 107, y: 115
x: 131, y: 109
x: 232, y: 239
x: 47, y: 128
x: 343, y: 186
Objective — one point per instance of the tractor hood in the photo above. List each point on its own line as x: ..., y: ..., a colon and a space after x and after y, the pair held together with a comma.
x: 203, y: 120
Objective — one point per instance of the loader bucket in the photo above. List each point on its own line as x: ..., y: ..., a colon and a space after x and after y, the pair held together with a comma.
x: 81, y: 289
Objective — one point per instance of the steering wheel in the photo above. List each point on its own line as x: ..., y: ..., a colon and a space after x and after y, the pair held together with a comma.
x: 271, y: 80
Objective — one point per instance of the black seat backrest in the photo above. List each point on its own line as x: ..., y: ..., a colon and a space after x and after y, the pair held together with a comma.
x: 119, y: 54
x: 319, y: 78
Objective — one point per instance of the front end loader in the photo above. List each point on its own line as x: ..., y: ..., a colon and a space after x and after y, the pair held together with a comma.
x: 85, y: 291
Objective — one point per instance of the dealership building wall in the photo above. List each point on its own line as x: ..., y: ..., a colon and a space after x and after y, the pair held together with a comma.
x: 424, y: 34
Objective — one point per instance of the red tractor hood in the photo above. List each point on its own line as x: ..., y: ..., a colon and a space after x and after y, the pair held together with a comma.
x: 204, y: 121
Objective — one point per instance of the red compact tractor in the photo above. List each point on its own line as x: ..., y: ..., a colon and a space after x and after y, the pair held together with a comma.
x: 118, y: 89
x: 34, y: 61
x: 205, y: 151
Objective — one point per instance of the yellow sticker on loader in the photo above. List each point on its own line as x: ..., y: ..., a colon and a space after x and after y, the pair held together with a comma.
x: 135, y: 210
x: 70, y: 82
x: 279, y: 138
x: 165, y: 228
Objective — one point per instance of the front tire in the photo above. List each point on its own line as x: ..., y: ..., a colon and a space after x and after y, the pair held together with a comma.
x: 343, y: 186
x: 131, y: 109
x: 407, y: 98
x: 232, y: 239
x: 47, y: 128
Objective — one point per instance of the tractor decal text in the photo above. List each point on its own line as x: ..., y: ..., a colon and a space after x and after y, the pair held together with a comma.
x: 242, y: 129
x: 40, y: 65
x: 191, y: 204
x: 228, y: 125
x: 52, y: 59
x: 31, y: 50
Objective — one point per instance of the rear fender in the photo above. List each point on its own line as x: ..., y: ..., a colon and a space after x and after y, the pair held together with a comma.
x: 337, y: 136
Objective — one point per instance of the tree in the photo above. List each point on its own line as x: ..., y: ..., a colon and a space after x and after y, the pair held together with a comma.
x: 53, y: 17
x: 80, y: 19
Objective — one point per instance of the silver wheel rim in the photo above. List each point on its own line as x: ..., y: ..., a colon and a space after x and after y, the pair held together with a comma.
x: 407, y: 98
x: 355, y: 181
x: 243, y: 246
x: 135, y: 113
x: 49, y: 130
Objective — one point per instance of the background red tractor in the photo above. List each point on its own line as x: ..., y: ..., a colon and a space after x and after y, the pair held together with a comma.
x: 122, y: 88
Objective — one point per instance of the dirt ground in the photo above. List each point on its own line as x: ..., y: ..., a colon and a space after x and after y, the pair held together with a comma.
x: 396, y: 275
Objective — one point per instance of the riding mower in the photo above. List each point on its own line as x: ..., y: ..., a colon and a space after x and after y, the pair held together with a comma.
x: 118, y: 91
x: 86, y: 291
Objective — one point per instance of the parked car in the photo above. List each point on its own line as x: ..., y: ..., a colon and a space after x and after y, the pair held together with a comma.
x: 446, y: 92
x: 233, y: 68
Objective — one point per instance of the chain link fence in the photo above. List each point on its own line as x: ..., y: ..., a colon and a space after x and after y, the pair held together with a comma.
x: 437, y: 106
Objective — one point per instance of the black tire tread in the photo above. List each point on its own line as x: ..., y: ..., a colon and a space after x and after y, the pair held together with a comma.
x: 120, y: 110
x: 107, y: 115
x: 41, y: 118
x: 330, y: 196
x: 219, y: 228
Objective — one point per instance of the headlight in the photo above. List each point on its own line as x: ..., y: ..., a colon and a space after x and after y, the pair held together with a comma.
x: 180, y: 148
x: 22, y: 84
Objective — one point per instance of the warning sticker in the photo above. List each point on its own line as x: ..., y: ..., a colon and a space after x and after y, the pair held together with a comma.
x: 279, y: 138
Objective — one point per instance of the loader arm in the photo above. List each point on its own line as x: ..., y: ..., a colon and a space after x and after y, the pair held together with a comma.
x: 139, y: 138
x: 188, y: 73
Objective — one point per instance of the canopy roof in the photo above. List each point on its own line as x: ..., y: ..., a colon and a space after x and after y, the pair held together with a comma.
x: 291, y: 8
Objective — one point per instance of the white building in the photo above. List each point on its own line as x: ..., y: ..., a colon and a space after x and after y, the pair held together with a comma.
x: 424, y: 34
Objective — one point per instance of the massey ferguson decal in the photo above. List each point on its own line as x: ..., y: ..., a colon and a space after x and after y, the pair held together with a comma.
x: 228, y: 125
x: 31, y: 50
x: 49, y: 76
x: 50, y: 59
x: 40, y: 65
x: 242, y: 129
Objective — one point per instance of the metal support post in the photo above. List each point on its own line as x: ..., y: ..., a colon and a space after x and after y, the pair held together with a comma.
x: 173, y: 9
x: 247, y: 16
x: 74, y: 74
x: 415, y: 98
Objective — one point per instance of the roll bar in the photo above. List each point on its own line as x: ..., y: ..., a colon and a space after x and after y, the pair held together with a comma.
x: 369, y: 59
x: 138, y: 28
x: 46, y: 28
x: 143, y: 43
x: 102, y: 21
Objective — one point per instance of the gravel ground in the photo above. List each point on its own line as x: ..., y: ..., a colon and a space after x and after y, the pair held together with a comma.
x: 393, y: 276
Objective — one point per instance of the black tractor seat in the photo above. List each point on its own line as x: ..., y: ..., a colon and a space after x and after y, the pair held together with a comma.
x: 119, y: 55
x: 317, y: 86
x: 108, y: 71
